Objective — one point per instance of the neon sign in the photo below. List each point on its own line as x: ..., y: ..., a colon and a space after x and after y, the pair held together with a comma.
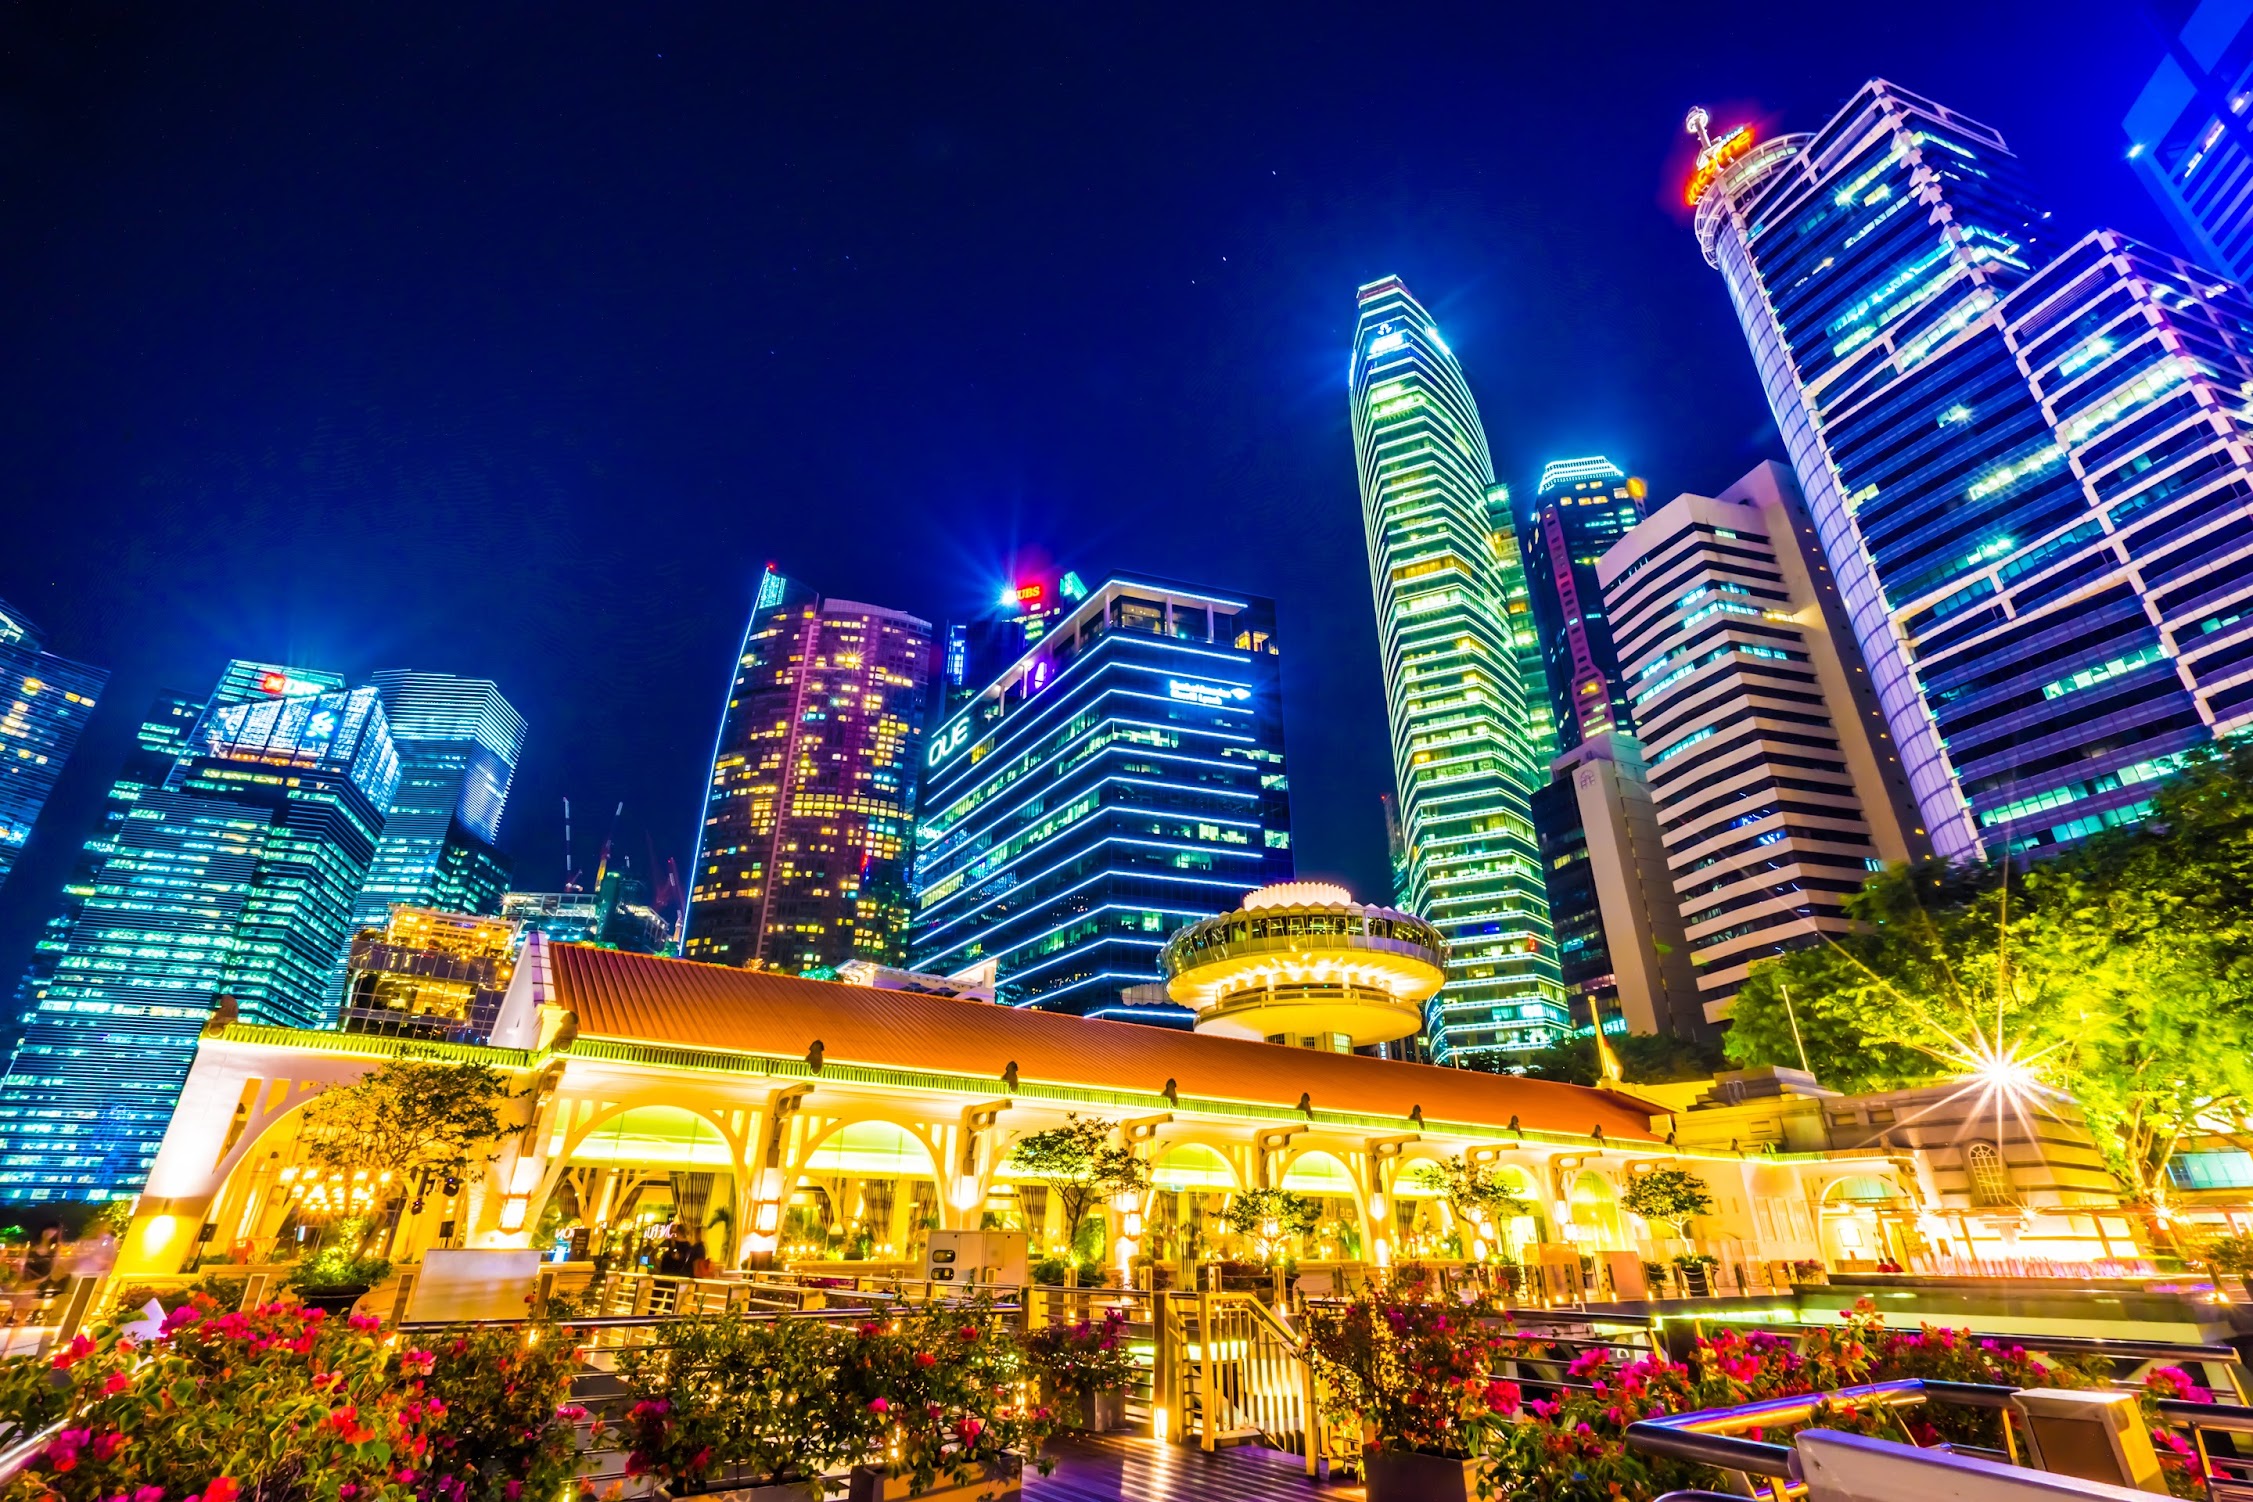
x: 1210, y: 695
x: 947, y: 742
x: 1716, y: 158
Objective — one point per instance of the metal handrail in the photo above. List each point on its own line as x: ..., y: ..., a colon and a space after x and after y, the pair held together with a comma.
x: 1709, y: 1436
x: 23, y: 1452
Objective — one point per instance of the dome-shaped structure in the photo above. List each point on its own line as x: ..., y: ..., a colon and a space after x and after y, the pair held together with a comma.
x: 1302, y: 963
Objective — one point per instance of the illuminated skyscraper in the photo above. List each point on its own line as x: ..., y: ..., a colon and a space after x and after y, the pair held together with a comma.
x: 45, y: 702
x: 459, y: 742
x: 1463, y: 681
x: 1776, y: 786
x: 802, y: 859
x: 2026, y: 470
x: 1121, y: 778
x: 230, y: 886
x: 1580, y: 508
x: 159, y: 743
x: 2190, y: 135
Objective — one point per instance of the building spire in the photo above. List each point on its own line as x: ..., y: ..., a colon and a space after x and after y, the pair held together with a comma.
x: 1697, y: 123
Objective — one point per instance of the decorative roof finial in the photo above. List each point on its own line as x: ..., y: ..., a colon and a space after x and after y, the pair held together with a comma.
x: 1697, y: 124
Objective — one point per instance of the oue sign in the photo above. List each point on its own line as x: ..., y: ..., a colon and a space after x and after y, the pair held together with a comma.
x: 947, y: 742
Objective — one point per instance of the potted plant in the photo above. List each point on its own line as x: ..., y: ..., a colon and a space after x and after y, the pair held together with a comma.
x: 934, y: 1397
x: 1084, y: 1370
x: 2230, y: 1256
x: 334, y: 1278
x: 1418, y: 1374
x: 1697, y: 1273
x: 735, y: 1408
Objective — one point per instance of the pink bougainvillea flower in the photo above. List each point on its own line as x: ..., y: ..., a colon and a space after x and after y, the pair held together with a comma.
x: 879, y: 1405
x: 223, y: 1489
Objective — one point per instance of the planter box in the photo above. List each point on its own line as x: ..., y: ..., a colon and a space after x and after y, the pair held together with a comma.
x: 337, y: 1302
x: 1004, y: 1481
x: 1100, y: 1412
x: 1412, y: 1476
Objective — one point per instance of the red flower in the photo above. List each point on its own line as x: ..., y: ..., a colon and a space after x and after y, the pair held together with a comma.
x: 879, y: 1405
x: 223, y: 1489
x: 925, y: 1358
x: 115, y: 1383
x: 77, y: 1351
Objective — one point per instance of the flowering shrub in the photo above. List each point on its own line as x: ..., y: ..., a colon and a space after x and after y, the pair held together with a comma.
x: 1418, y: 1371
x: 938, y: 1393
x: 1072, y: 1361
x: 508, y: 1429
x: 287, y: 1404
x: 1573, y: 1448
x: 725, y: 1401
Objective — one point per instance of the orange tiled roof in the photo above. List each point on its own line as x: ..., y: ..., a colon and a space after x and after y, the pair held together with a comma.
x: 645, y: 998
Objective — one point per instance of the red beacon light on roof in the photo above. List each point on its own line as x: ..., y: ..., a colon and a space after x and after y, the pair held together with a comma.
x: 1714, y: 157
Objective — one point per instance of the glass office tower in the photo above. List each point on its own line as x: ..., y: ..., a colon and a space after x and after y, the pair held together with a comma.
x: 229, y: 888
x: 802, y: 858
x: 1464, y: 687
x: 1122, y: 778
x: 1580, y: 508
x: 2020, y: 466
x: 2190, y: 135
x: 459, y: 742
x: 45, y: 702
x: 158, y: 743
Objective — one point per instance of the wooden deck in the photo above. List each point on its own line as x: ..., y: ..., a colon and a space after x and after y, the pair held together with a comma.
x: 1128, y: 1468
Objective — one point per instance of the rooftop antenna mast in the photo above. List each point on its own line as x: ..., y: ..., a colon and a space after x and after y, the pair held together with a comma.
x: 1698, y: 123
x: 570, y: 872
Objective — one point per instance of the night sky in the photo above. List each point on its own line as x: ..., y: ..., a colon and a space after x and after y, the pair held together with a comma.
x: 513, y: 341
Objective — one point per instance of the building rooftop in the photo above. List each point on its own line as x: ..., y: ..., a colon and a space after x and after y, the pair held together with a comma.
x: 632, y: 998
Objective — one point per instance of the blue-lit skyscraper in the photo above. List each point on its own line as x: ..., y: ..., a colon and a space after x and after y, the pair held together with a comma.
x: 2023, y: 466
x: 459, y: 742
x: 1580, y: 508
x: 1464, y: 684
x: 2190, y: 135
x: 159, y: 742
x: 1122, y: 778
x: 234, y: 880
x: 45, y: 702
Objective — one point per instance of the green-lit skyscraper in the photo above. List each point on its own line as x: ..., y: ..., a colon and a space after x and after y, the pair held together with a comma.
x: 1463, y: 681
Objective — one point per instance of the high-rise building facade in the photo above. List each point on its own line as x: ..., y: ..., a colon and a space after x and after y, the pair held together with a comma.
x: 1464, y: 689
x: 159, y: 741
x: 803, y: 854
x: 1580, y: 508
x: 1620, y: 947
x: 459, y: 742
x: 430, y: 974
x: 1122, y: 778
x: 1776, y: 783
x: 2027, y: 471
x: 229, y: 887
x: 45, y: 701
x: 2190, y: 135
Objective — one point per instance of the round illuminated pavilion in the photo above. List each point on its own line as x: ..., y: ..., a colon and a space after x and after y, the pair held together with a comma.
x: 1302, y: 963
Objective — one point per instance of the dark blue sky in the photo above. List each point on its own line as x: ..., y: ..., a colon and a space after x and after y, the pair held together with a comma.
x: 513, y: 340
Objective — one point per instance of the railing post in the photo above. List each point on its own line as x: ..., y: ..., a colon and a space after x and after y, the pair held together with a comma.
x: 1205, y: 1375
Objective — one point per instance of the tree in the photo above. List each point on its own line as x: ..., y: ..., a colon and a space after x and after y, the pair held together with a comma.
x: 414, y: 1119
x: 2117, y: 974
x: 1644, y: 1059
x: 1671, y: 1196
x: 1476, y: 1192
x: 1082, y: 1164
x: 1269, y: 1215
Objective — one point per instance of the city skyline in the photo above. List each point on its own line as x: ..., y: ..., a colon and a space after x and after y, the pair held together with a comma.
x: 1246, y: 439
